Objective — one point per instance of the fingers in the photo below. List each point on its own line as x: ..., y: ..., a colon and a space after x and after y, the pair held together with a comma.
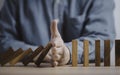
x: 56, y: 54
x: 47, y: 58
x: 54, y: 63
x: 56, y: 50
x: 54, y: 29
x: 66, y: 57
x: 57, y: 42
x: 63, y: 58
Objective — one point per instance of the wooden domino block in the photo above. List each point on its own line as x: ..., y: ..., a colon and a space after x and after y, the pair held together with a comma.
x: 33, y: 55
x: 86, y: 53
x: 117, y: 52
x: 5, y: 56
x: 17, y: 53
x: 21, y: 56
x: 106, y: 52
x: 43, y: 54
x: 74, y: 53
x: 97, y: 53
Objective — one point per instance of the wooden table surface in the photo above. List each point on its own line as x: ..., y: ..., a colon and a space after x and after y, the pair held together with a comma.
x: 46, y: 69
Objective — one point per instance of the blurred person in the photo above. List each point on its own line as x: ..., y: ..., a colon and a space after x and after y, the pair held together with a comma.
x: 27, y: 24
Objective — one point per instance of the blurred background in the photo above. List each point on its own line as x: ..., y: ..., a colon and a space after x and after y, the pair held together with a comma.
x: 117, y: 24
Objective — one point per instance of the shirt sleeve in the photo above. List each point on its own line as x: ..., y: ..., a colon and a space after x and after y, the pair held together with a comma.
x: 9, y: 36
x: 99, y: 25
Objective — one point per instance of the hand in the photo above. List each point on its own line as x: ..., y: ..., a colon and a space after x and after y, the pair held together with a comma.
x: 59, y: 53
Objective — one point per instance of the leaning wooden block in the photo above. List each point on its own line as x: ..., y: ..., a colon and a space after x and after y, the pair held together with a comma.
x: 43, y: 54
x: 106, y: 52
x: 86, y: 53
x: 16, y: 54
x: 117, y: 52
x: 21, y: 56
x: 74, y: 53
x: 5, y: 57
x: 33, y: 55
x: 6, y: 54
x: 97, y: 53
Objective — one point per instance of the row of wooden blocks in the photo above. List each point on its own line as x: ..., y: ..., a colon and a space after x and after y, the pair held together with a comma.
x: 97, y: 53
x: 12, y: 57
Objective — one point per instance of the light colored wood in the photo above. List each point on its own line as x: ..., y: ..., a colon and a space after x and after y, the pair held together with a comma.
x: 86, y: 53
x: 45, y: 69
x: 117, y: 52
x: 21, y: 56
x: 17, y: 53
x: 106, y: 52
x: 97, y: 52
x: 74, y: 53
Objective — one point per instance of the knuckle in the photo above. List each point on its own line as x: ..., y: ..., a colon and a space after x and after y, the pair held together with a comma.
x: 56, y: 57
x: 54, y: 51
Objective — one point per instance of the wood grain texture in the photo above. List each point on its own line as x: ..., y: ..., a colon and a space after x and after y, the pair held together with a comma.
x: 33, y: 55
x: 20, y: 56
x: 97, y: 52
x: 5, y: 57
x: 86, y: 53
x: 17, y: 53
x: 106, y: 52
x: 117, y: 52
x: 43, y: 54
x: 74, y: 53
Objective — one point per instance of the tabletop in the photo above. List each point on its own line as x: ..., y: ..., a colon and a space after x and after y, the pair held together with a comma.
x: 46, y: 69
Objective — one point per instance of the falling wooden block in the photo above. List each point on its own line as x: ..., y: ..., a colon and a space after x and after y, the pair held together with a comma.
x: 6, y: 56
x: 106, y: 52
x: 117, y: 52
x: 74, y: 53
x: 97, y: 53
x: 86, y: 53
x: 17, y: 53
x: 21, y: 56
x: 33, y: 55
x: 43, y: 54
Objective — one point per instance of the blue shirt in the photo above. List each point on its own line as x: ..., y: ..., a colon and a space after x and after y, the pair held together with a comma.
x: 26, y: 23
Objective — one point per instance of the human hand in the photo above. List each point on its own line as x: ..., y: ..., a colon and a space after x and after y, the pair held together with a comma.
x: 59, y: 53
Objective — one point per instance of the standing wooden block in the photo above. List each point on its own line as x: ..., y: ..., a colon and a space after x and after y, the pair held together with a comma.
x: 107, y: 53
x: 86, y: 53
x: 33, y: 55
x: 117, y: 52
x: 21, y: 56
x: 43, y: 54
x: 97, y: 53
x: 74, y: 53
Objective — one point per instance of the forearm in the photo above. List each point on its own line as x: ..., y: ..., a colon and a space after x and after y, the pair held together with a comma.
x: 15, y: 44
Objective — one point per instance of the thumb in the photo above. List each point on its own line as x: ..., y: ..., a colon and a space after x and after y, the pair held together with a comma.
x: 54, y: 29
